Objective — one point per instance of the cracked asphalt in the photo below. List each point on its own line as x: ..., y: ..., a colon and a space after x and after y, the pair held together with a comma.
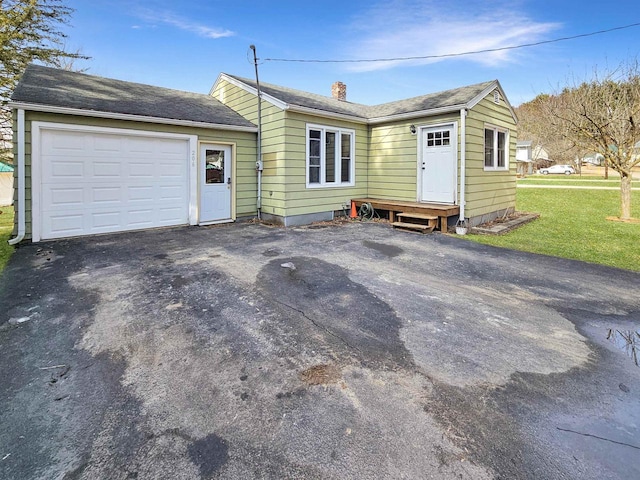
x: 330, y: 351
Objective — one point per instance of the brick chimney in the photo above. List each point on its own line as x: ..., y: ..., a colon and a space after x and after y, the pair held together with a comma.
x: 339, y: 91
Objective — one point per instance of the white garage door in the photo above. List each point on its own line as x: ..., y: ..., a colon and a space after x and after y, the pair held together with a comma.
x: 100, y: 183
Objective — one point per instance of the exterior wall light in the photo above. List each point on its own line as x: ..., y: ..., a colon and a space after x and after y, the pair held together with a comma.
x: 412, y: 128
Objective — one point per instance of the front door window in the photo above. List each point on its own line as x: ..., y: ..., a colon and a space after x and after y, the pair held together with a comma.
x: 214, y: 166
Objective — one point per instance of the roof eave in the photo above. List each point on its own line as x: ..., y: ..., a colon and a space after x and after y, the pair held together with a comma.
x: 284, y: 105
x: 417, y: 114
x: 326, y: 114
x: 35, y: 107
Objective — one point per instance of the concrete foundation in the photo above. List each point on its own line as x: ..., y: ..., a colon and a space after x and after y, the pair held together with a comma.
x: 297, y: 220
x: 489, y: 217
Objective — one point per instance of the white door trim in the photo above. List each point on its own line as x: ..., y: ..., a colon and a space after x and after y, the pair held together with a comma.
x: 232, y: 206
x: 420, y: 139
x: 36, y: 167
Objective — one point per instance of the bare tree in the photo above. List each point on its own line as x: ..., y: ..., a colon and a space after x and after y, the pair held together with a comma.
x: 535, y: 125
x: 69, y: 62
x: 601, y: 115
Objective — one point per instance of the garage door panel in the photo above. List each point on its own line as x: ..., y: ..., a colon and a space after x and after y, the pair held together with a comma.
x: 168, y: 147
x: 107, y: 219
x: 106, y: 194
x: 64, y: 225
x: 62, y: 168
x: 140, y: 194
x: 103, y: 169
x: 169, y: 171
x: 111, y: 184
x: 108, y: 144
x: 142, y: 170
x: 168, y: 215
x: 64, y: 143
x: 140, y: 145
x: 64, y: 197
x: 140, y: 218
x: 171, y: 193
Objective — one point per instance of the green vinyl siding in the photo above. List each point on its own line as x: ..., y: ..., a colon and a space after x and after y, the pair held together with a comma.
x: 274, y: 147
x: 284, y: 189
x: 386, y: 157
x: 301, y: 199
x: 393, y: 158
x: 489, y: 191
x: 244, y: 202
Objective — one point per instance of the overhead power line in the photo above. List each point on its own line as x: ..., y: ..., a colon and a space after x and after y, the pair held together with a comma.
x: 446, y: 55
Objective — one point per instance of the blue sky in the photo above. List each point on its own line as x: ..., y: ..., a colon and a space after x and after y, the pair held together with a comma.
x: 185, y: 45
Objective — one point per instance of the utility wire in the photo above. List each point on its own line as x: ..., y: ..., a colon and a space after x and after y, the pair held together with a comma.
x: 447, y: 55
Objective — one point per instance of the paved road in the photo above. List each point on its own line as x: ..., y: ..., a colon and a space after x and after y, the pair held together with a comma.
x: 245, y: 351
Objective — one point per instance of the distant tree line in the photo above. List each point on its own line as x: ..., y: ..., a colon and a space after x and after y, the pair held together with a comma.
x: 600, y: 115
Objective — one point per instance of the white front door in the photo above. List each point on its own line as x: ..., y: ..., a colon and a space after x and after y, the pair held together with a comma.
x: 438, y: 167
x: 215, y: 183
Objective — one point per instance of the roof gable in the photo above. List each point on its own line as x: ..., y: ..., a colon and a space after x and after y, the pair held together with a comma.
x: 430, y: 104
x: 288, y: 97
x: 53, y: 87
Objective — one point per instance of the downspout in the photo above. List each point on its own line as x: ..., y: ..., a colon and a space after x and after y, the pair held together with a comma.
x: 259, y: 165
x: 462, y: 221
x: 21, y: 181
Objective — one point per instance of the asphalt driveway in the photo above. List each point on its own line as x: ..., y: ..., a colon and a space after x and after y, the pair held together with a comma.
x: 353, y: 351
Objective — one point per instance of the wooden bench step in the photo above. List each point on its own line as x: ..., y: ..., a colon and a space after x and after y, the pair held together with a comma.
x: 421, y: 216
x: 414, y: 226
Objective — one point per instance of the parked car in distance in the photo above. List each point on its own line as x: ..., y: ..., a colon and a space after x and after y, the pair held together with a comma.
x: 566, y: 169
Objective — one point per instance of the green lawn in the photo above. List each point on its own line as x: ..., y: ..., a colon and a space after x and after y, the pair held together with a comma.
x: 6, y: 226
x: 573, y: 224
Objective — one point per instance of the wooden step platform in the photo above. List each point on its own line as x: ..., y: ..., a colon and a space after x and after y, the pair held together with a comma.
x: 421, y: 222
x: 419, y: 216
x: 398, y: 207
x: 419, y: 227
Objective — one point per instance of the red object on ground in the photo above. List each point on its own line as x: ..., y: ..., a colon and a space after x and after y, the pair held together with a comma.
x: 354, y: 213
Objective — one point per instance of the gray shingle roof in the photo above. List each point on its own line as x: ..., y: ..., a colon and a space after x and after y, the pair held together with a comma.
x: 447, y: 98
x: 432, y: 101
x: 60, y: 88
x: 307, y: 99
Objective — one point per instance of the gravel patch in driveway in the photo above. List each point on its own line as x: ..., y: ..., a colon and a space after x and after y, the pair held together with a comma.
x: 353, y: 351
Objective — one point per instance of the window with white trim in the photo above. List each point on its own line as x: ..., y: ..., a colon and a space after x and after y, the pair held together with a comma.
x: 496, y: 148
x: 330, y: 156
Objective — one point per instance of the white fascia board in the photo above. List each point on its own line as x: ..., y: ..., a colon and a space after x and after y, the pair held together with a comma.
x: 418, y: 114
x: 249, y: 89
x: 495, y: 84
x: 326, y: 114
x: 125, y: 116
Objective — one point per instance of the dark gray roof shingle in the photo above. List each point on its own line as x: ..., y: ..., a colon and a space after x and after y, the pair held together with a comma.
x: 307, y: 99
x: 447, y: 98
x: 60, y: 88
x: 432, y: 101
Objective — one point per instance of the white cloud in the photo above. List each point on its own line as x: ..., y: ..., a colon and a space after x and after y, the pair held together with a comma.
x: 404, y: 28
x: 187, y: 25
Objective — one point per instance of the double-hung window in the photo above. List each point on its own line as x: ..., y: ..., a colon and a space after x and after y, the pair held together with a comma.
x: 330, y: 156
x: 496, y: 148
